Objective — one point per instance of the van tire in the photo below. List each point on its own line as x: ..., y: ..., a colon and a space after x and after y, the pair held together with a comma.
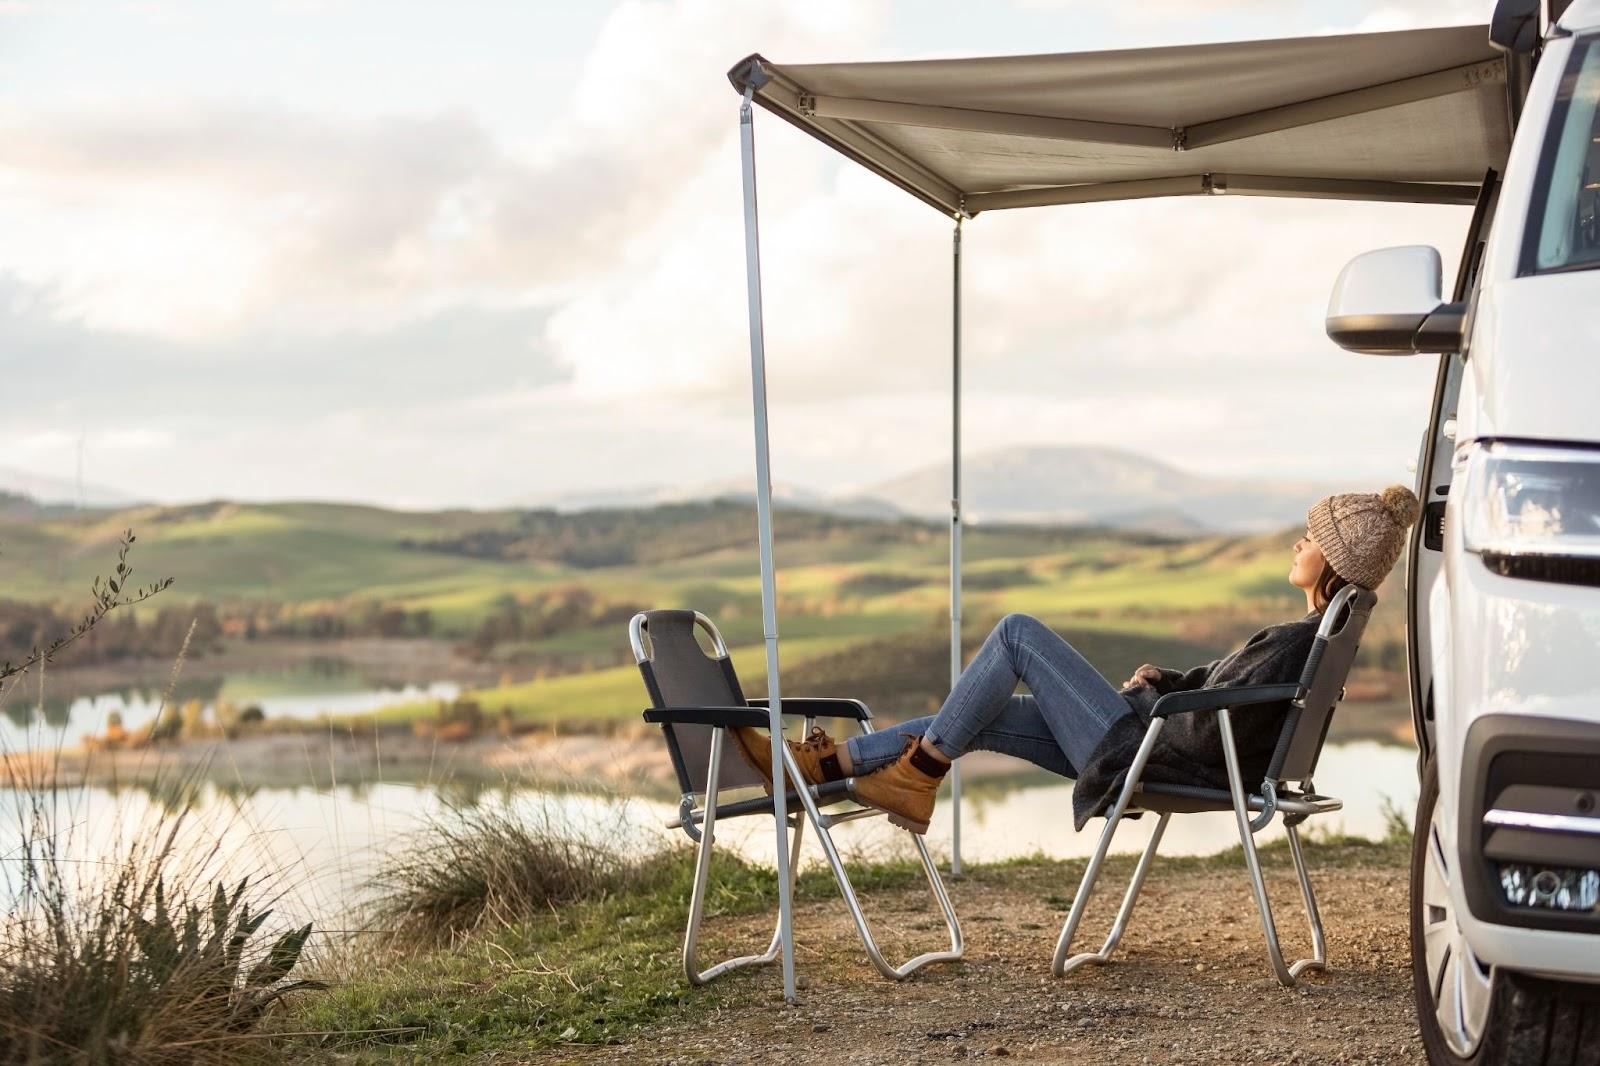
x: 1531, y: 1022
x: 1550, y: 1023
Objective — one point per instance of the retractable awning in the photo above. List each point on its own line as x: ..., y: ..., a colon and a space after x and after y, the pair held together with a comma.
x: 1415, y: 115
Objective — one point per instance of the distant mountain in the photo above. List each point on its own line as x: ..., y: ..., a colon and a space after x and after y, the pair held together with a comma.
x: 1103, y: 486
x: 52, y: 490
x: 1043, y: 485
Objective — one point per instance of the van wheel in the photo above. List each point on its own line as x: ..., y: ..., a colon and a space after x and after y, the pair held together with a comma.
x: 1472, y: 1014
x: 1454, y: 990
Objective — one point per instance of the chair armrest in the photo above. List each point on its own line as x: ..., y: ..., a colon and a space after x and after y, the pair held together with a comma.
x: 820, y: 707
x: 713, y: 716
x: 1215, y: 699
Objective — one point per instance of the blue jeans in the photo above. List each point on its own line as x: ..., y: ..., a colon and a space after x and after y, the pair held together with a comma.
x: 1058, y: 727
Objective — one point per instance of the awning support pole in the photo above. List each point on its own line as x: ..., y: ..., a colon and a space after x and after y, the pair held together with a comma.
x: 955, y: 531
x: 769, y: 594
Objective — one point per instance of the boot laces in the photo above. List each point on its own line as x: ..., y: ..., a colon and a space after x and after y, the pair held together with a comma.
x: 817, y: 740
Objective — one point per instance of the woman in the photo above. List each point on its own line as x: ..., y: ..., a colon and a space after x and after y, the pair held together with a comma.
x: 1075, y: 723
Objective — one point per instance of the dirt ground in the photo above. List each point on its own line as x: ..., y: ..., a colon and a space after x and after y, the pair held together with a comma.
x: 1190, y: 982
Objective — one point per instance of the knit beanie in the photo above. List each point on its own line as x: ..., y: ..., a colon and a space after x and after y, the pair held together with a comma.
x: 1362, y: 534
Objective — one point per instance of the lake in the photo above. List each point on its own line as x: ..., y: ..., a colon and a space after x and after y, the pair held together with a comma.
x: 330, y: 841
x: 304, y: 690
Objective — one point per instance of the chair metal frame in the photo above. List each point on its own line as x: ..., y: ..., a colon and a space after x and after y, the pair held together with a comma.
x: 1272, y: 799
x: 698, y: 818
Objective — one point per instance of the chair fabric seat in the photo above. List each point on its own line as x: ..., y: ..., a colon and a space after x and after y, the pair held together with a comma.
x: 1192, y: 799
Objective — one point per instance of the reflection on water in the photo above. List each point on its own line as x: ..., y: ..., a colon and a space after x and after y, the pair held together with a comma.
x: 316, y: 849
x: 331, y: 841
x: 320, y: 686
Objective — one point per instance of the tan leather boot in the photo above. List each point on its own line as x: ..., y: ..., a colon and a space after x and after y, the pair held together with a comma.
x: 817, y: 756
x: 905, y: 788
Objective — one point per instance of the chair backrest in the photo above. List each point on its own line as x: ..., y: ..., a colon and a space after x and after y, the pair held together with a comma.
x: 678, y: 673
x: 1322, y: 684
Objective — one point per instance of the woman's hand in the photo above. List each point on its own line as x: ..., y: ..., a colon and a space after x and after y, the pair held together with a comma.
x: 1145, y: 675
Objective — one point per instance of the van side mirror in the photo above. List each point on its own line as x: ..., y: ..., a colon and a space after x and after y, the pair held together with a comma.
x: 1387, y: 303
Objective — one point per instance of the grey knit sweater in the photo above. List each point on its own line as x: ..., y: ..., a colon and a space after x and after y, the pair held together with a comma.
x: 1189, y: 748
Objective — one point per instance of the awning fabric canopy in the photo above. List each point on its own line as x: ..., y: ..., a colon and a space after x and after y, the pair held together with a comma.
x: 1415, y: 115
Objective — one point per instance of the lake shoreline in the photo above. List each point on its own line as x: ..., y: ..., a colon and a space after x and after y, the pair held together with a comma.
x: 631, y: 759
x: 607, y: 754
x: 405, y: 659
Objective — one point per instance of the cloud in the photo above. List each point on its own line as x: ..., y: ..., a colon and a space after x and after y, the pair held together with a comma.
x: 256, y: 280
x: 242, y: 298
x: 59, y: 365
x: 178, y: 417
x: 185, y: 219
x: 137, y: 438
x: 1404, y: 16
x: 203, y: 215
x: 46, y: 440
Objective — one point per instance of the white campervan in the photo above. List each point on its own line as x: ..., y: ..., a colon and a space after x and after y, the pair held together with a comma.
x: 1504, y: 573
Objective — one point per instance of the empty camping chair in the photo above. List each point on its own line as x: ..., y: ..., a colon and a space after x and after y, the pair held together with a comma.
x: 1305, y: 727
x: 695, y: 698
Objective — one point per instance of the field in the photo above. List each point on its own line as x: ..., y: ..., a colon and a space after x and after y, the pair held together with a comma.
x: 543, y: 598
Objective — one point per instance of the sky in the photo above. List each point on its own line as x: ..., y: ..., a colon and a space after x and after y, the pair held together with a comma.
x: 491, y: 253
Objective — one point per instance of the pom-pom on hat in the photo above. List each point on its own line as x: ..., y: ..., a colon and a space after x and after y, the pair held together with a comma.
x: 1362, y: 534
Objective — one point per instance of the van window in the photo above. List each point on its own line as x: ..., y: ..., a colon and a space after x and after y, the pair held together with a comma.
x: 1564, y: 225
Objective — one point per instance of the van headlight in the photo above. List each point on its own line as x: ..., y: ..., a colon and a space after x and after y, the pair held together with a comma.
x: 1532, y: 510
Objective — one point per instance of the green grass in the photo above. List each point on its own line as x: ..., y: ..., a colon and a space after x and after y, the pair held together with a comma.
x: 285, y: 553
x: 309, y: 553
x: 592, y: 973
x: 615, y: 693
x: 875, y: 669
x: 1170, y: 582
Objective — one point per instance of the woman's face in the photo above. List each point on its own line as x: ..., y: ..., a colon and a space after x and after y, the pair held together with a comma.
x: 1308, y: 563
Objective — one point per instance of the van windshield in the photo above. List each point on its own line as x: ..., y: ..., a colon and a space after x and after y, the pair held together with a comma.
x: 1564, y: 230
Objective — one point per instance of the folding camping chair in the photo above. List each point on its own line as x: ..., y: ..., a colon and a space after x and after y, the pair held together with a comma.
x: 1305, y: 727
x: 695, y: 699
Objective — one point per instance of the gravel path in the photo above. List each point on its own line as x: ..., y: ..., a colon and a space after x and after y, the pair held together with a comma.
x: 1190, y: 982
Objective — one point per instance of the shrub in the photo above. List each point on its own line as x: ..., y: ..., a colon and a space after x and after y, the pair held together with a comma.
x: 1000, y: 579
x: 130, y: 953
x: 137, y: 957
x: 477, y: 867
x: 878, y: 583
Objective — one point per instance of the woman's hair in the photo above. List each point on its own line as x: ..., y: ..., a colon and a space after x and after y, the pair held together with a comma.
x: 1327, y: 587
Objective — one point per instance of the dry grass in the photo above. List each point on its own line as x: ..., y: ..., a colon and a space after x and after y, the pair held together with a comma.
x: 122, y: 945
x: 130, y: 951
x: 480, y: 867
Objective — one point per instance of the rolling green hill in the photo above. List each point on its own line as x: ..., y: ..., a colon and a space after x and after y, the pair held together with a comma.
x: 458, y: 564
x: 863, y: 604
